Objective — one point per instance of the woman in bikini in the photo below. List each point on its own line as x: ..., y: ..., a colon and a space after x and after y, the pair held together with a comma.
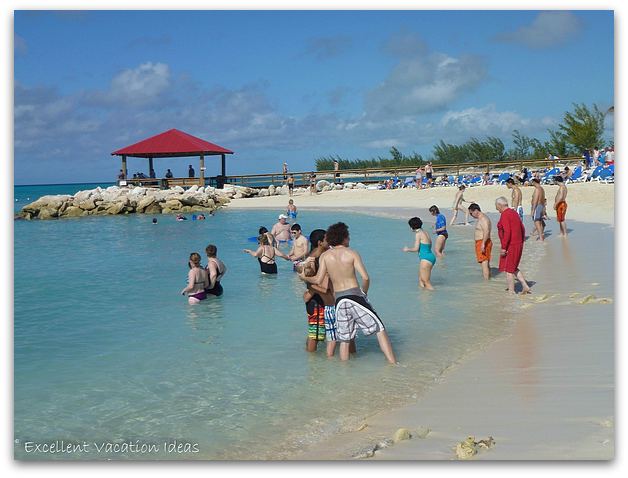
x: 216, y: 270
x: 197, y: 280
x: 265, y: 254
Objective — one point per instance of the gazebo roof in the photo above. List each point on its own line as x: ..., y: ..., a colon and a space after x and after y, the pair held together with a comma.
x: 171, y: 143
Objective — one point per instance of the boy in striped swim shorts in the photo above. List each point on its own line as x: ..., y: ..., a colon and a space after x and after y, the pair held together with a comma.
x: 353, y: 311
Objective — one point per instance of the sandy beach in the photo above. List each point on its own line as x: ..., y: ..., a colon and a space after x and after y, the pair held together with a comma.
x: 588, y: 202
x: 546, y: 389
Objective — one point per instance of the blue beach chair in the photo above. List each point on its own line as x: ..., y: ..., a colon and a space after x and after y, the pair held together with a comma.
x: 596, y: 172
x: 503, y: 177
x: 549, y: 176
x: 576, y: 176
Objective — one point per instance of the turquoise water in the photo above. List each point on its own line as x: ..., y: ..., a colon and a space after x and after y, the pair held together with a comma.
x: 106, y: 350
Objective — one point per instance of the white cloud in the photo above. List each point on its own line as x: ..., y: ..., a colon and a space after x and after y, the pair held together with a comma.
x: 141, y: 84
x: 484, y: 121
x: 423, y: 84
x: 547, y: 29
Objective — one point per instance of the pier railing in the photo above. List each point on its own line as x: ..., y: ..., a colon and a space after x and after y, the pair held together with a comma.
x: 366, y: 176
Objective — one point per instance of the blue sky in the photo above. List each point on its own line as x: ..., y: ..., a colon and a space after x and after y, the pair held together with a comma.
x: 292, y: 86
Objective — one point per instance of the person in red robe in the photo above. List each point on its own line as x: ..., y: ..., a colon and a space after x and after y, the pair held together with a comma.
x: 511, y: 235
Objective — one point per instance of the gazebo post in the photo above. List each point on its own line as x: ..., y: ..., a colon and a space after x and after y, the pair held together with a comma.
x: 150, y: 166
x: 202, y: 171
x: 124, y: 166
x: 224, y: 165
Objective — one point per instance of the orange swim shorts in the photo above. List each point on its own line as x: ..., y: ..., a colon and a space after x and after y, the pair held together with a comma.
x: 561, y: 209
x: 486, y: 255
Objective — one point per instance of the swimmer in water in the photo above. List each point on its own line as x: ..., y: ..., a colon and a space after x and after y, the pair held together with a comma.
x: 216, y: 270
x: 265, y: 255
x: 440, y: 229
x: 292, y: 209
x: 422, y: 245
x: 197, y: 280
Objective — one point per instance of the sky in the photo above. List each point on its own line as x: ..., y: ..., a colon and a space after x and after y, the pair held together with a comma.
x: 293, y: 86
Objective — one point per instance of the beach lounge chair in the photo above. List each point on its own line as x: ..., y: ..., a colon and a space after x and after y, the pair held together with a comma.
x: 607, y: 175
x: 576, y: 176
x: 549, y: 176
x: 596, y: 172
x: 476, y: 181
x: 451, y: 180
x: 408, y: 182
x: 503, y: 177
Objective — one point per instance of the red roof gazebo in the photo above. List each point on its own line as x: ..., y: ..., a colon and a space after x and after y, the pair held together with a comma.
x: 170, y: 144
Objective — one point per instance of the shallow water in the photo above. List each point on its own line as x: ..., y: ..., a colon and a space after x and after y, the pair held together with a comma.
x: 106, y: 350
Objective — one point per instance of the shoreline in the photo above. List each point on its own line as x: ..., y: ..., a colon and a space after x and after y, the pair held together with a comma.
x: 523, y: 388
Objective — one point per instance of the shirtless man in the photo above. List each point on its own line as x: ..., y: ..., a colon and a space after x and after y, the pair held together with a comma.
x: 458, y: 200
x: 429, y: 173
x: 298, y: 251
x: 538, y: 201
x: 560, y: 204
x: 515, y: 199
x: 353, y: 310
x: 482, y: 235
x: 281, y: 229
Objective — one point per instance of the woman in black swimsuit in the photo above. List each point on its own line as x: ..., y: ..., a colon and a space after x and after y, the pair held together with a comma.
x: 265, y: 254
x: 216, y: 270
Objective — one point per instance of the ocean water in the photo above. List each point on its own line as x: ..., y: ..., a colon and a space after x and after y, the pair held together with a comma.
x: 106, y: 350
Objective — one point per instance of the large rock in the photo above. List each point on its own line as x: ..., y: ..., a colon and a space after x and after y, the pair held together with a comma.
x: 74, y: 211
x: 144, y: 203
x: 86, y: 205
x: 360, y: 186
x: 172, y: 204
x: 271, y: 191
x: 47, y: 213
x: 349, y: 185
x: 153, y: 208
x: 116, y: 208
x: 264, y: 192
x: 321, y: 184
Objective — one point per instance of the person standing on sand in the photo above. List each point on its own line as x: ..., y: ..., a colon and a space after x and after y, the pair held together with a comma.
x: 281, y: 229
x: 336, y: 169
x: 312, y: 183
x: 538, y: 204
x: 290, y: 184
x: 353, y: 310
x: 440, y: 229
x: 458, y: 200
x: 429, y: 173
x: 422, y: 245
x: 560, y: 204
x: 515, y: 199
x: 197, y: 280
x: 284, y: 170
x: 418, y: 176
x: 482, y: 236
x: 511, y: 235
